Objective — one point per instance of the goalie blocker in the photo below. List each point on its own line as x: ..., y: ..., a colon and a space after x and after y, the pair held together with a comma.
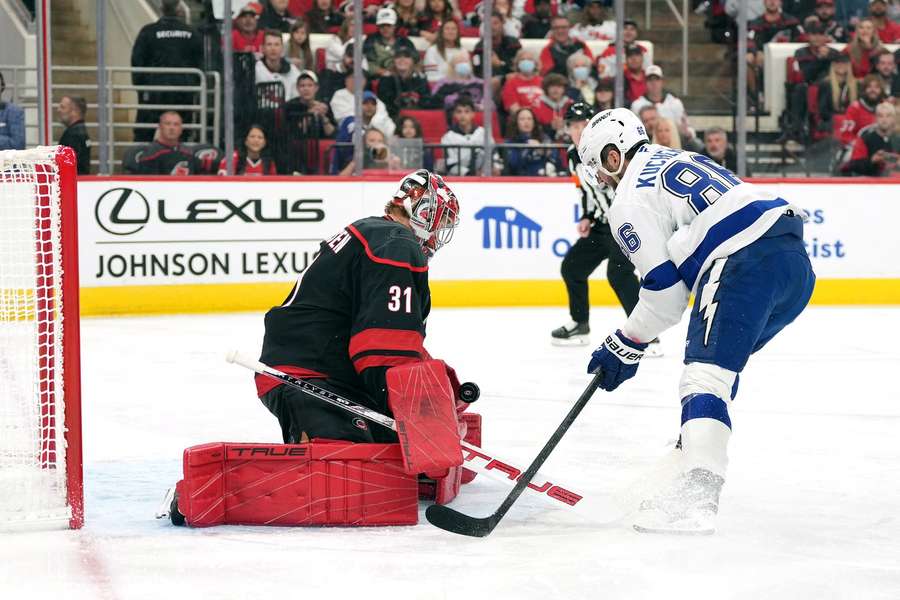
x: 330, y: 482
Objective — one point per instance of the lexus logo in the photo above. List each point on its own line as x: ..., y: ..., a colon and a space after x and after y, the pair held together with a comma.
x: 122, y: 211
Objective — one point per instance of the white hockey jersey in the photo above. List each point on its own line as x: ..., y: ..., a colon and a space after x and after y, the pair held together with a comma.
x: 675, y: 212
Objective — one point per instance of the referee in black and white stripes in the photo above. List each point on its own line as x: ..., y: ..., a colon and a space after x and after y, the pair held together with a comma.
x: 595, y: 244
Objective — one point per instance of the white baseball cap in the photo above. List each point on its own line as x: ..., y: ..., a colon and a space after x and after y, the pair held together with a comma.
x: 386, y: 16
x: 654, y: 71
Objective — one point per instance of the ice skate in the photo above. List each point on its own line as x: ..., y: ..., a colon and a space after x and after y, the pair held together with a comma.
x: 654, y: 349
x: 571, y: 334
x: 688, y: 507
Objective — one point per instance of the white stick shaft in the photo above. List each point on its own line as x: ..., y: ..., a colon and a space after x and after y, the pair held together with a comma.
x: 477, y: 459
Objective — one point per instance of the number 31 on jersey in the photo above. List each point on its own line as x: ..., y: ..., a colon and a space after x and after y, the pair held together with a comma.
x: 400, y: 299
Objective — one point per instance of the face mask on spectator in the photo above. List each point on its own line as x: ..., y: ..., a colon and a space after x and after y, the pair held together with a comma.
x: 463, y: 69
x: 526, y: 66
x: 581, y: 73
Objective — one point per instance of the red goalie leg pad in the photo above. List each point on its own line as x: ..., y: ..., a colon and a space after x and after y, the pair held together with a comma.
x: 473, y: 436
x: 422, y: 402
x: 323, y: 482
x: 443, y: 487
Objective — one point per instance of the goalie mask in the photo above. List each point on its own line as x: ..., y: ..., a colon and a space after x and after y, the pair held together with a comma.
x: 432, y: 208
x: 618, y: 128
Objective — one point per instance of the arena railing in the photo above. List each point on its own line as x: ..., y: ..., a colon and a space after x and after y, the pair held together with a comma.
x: 205, y: 111
x: 682, y: 19
x: 467, y: 158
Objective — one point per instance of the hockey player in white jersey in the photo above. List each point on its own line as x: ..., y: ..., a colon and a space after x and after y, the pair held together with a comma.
x: 690, y: 225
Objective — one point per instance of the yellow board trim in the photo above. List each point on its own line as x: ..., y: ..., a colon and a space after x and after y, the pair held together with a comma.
x: 234, y: 297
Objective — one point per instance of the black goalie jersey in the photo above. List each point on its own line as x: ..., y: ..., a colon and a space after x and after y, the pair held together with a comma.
x: 359, y: 308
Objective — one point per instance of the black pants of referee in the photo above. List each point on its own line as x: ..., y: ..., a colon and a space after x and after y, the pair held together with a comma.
x: 583, y: 258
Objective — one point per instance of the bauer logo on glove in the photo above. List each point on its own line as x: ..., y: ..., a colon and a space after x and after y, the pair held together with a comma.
x: 617, y: 359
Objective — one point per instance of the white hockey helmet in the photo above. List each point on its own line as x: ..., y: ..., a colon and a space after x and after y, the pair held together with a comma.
x: 618, y: 127
x: 432, y: 208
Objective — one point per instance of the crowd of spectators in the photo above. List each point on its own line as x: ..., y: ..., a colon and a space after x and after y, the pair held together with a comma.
x: 301, y: 115
x: 315, y: 101
x: 836, y: 82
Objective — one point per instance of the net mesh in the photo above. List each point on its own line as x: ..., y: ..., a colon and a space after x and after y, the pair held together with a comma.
x: 32, y: 443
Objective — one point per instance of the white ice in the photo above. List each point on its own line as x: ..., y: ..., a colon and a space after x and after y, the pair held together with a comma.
x: 811, y: 508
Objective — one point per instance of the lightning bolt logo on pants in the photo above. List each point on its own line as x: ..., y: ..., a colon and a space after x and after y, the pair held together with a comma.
x: 708, y: 305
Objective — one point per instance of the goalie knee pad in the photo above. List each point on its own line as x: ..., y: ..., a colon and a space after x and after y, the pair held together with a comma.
x: 422, y: 401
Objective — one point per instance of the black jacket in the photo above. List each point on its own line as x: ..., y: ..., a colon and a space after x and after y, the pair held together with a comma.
x: 397, y: 93
x: 272, y: 20
x: 75, y: 137
x: 303, y: 124
x: 729, y: 161
x: 166, y: 43
x: 867, y: 143
x: 506, y: 50
x: 159, y: 159
x: 359, y: 309
x: 811, y: 65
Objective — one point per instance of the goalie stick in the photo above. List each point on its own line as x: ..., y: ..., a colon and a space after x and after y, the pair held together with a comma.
x: 454, y: 521
x: 474, y: 458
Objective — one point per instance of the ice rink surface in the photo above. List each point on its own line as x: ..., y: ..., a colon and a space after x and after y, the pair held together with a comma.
x: 810, y: 510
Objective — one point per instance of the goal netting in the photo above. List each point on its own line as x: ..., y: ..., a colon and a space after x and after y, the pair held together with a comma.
x: 40, y: 437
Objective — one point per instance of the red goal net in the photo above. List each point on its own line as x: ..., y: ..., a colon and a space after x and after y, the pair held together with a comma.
x: 40, y: 403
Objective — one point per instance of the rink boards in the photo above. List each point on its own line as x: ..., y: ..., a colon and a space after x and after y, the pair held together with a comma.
x: 168, y: 245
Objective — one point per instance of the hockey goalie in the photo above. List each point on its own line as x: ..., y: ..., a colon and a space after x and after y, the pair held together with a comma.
x: 354, y: 326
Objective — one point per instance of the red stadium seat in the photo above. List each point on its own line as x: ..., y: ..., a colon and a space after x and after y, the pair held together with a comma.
x: 299, y: 7
x: 433, y: 122
x: 495, y: 122
x: 325, y: 156
x: 794, y: 74
x: 812, y: 106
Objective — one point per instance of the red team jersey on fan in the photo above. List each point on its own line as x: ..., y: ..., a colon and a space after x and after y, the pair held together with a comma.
x: 858, y: 115
x: 261, y: 166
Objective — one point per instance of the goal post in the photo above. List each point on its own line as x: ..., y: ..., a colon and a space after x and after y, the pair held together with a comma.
x: 41, y: 482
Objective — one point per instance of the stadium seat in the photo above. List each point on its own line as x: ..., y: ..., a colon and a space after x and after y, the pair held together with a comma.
x: 495, y: 124
x: 324, y: 165
x: 815, y: 119
x: 433, y: 122
x: 794, y: 74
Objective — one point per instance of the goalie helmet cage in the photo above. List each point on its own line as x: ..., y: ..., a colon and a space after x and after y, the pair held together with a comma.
x: 40, y: 399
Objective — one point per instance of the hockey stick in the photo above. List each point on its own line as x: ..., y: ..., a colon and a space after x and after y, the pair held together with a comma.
x: 454, y: 521
x: 474, y: 458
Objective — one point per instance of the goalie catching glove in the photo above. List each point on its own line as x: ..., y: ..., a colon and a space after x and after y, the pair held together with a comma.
x: 617, y: 359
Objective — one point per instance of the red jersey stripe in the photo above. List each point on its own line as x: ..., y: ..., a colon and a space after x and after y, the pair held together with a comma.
x: 386, y: 339
x: 383, y: 261
x: 374, y: 360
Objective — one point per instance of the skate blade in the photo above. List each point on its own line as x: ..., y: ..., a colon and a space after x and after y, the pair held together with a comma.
x: 578, y: 340
x: 674, y: 531
x: 163, y: 511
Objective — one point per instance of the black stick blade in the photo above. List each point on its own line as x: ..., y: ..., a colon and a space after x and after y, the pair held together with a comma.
x: 455, y: 522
